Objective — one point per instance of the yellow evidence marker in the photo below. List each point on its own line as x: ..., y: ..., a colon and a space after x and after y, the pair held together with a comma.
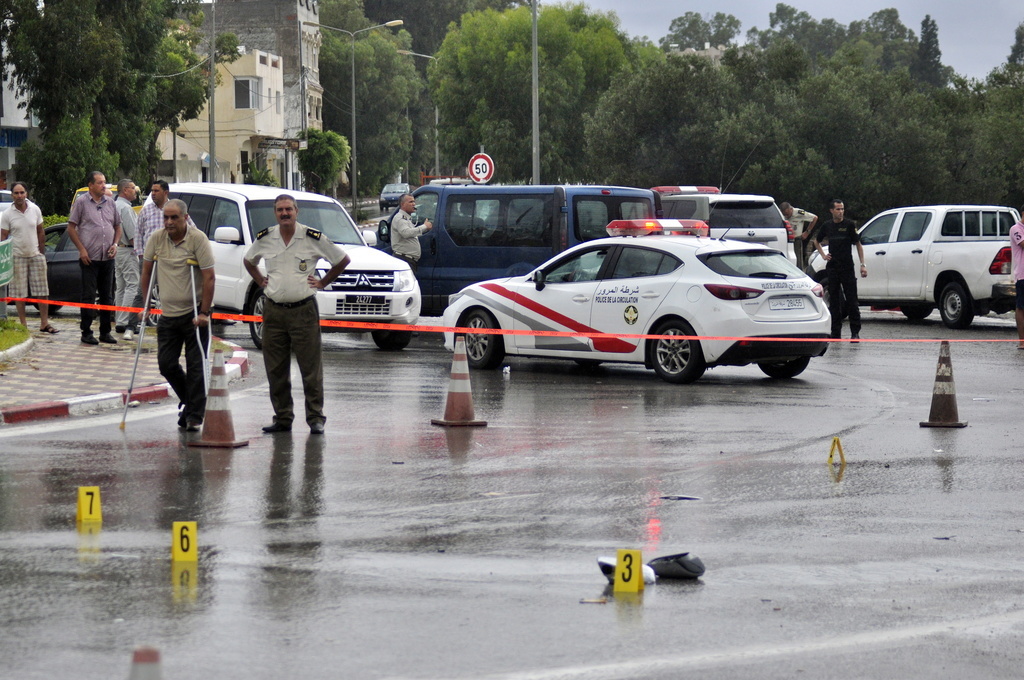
x: 88, y: 505
x: 836, y: 446
x: 629, y: 576
x: 184, y: 542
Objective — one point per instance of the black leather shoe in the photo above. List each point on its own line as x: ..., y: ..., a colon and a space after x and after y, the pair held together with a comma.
x: 90, y: 339
x: 316, y: 428
x: 108, y: 338
x: 855, y: 337
x: 119, y: 329
x: 193, y: 425
x: 277, y: 427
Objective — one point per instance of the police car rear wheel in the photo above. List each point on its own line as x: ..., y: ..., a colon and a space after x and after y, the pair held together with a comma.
x: 789, y: 369
x: 483, y: 351
x: 677, y: 361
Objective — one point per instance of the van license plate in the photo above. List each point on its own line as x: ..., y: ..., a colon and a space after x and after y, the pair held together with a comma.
x: 366, y: 299
x: 786, y: 303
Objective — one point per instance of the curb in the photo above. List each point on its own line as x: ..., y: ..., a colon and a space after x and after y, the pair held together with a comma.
x: 17, y: 351
x: 235, y: 367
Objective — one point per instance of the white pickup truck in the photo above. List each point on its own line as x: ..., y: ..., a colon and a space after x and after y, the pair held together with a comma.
x: 954, y: 257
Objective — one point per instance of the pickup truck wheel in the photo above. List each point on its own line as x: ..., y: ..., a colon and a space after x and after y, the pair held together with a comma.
x: 917, y: 312
x: 256, y: 307
x: 956, y: 306
x: 483, y: 351
x: 392, y: 341
x: 789, y: 369
x: 676, y: 361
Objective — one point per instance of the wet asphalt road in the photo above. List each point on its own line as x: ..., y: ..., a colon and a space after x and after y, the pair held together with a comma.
x: 394, y: 549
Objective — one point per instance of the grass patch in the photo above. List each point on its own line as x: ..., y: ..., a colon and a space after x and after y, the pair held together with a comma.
x: 11, y: 333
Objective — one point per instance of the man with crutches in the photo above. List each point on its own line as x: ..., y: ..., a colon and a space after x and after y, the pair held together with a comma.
x: 180, y: 254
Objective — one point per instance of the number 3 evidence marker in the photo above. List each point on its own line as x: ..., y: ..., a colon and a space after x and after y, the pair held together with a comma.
x: 629, y: 577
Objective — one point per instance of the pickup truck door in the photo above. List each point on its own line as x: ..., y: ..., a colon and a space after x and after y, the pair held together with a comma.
x: 874, y: 238
x: 907, y: 256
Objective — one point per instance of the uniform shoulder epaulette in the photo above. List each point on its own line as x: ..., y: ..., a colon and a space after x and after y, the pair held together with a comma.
x: 313, y: 233
x: 262, y: 233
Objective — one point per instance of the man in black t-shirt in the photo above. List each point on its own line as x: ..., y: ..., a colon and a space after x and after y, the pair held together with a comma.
x: 841, y: 235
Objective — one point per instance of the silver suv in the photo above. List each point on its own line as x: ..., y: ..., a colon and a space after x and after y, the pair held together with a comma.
x: 374, y: 288
x: 738, y: 217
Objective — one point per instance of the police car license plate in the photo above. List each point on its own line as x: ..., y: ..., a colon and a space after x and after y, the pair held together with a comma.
x: 786, y: 303
x: 366, y: 299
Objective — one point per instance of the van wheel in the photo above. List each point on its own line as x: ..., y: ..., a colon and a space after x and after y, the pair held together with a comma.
x: 789, y: 369
x: 956, y: 306
x: 482, y: 351
x: 676, y: 361
x: 257, y: 303
x: 392, y: 341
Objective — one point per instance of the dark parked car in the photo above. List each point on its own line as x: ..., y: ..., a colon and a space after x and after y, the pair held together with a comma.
x: 391, y: 194
x: 62, y: 272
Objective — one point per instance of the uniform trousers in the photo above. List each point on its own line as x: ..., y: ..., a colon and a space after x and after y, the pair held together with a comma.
x: 288, y: 331
x: 173, y: 332
x: 842, y: 297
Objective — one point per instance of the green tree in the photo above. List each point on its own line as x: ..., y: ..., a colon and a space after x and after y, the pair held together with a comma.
x: 694, y: 31
x: 323, y: 159
x: 927, y: 66
x: 482, y: 84
x: 1017, y: 50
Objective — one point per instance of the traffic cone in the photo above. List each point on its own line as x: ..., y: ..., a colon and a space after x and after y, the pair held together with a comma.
x: 458, y: 411
x: 145, y: 664
x: 218, y: 428
x: 944, y: 413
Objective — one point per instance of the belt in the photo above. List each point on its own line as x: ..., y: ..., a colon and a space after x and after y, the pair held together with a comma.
x: 292, y: 305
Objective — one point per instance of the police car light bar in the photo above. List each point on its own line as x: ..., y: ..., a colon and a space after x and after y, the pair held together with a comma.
x: 658, y: 227
x: 690, y: 189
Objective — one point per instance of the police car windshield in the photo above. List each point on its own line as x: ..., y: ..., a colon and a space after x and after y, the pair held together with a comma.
x: 323, y: 216
x: 753, y: 264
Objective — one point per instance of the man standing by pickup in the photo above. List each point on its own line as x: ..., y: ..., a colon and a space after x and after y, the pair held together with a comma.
x: 841, y: 235
x: 1017, y: 258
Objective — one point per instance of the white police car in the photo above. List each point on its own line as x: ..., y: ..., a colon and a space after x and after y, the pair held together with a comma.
x: 674, y: 281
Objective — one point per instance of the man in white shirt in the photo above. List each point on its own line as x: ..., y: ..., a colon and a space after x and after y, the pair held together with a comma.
x: 23, y: 222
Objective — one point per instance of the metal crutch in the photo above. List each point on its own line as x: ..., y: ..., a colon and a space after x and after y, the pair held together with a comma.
x: 205, y: 351
x: 142, y: 335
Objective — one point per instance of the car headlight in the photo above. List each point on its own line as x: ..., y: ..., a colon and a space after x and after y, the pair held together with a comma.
x: 405, y: 281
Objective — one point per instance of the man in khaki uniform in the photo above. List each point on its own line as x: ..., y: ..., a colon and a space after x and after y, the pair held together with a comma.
x: 803, y: 227
x: 291, y: 318
x: 171, y: 248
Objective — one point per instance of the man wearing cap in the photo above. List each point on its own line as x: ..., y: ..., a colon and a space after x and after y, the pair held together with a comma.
x: 291, y: 318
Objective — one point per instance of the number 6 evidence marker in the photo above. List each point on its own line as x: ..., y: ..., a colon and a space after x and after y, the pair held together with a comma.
x: 184, y: 542
x: 89, y: 509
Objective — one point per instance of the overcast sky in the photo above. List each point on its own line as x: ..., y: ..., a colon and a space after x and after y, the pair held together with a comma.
x: 975, y: 37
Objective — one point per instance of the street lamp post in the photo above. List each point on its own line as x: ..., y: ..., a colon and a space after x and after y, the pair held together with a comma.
x: 437, y: 114
x: 352, y: 35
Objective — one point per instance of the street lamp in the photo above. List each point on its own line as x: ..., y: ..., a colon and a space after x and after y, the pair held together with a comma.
x: 437, y: 114
x: 352, y: 34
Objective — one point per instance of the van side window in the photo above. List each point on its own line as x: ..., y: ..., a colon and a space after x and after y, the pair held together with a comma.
x: 593, y: 213
x: 680, y: 210
x: 913, y: 225
x: 953, y: 224
x: 426, y: 207
x: 225, y: 214
x: 498, y: 220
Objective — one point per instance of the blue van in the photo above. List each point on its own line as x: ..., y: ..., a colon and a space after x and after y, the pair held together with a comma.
x: 490, y: 232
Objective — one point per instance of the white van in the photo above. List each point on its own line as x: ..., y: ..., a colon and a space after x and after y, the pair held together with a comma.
x: 375, y: 287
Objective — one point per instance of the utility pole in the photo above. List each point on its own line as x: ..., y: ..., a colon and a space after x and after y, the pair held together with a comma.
x: 211, y: 175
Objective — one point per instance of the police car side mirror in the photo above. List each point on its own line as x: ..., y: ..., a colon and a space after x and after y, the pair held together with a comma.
x: 538, y: 279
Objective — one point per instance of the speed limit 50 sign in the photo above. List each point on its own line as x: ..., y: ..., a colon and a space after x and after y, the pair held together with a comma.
x: 481, y: 168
